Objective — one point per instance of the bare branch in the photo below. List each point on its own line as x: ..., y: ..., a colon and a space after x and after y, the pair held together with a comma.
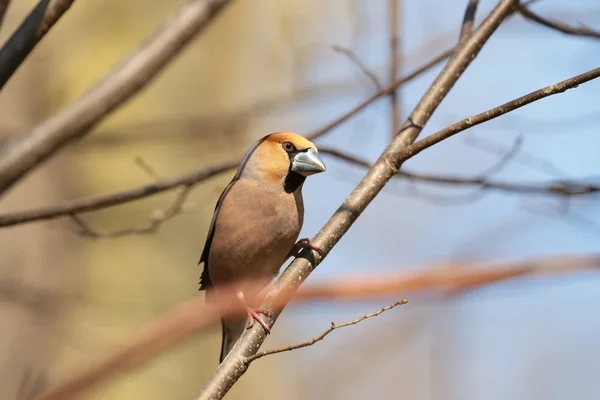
x: 97, y: 202
x: 563, y: 188
x: 468, y: 21
x: 3, y: 7
x: 322, y: 336
x: 155, y: 220
x: 192, y: 316
x: 26, y: 151
x: 27, y: 36
x: 394, y: 64
x: 474, y: 120
x: 582, y: 30
x: 355, y: 59
x: 385, y: 92
x: 235, y: 364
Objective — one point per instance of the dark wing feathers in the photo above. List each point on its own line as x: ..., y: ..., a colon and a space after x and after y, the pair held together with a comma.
x: 205, y: 281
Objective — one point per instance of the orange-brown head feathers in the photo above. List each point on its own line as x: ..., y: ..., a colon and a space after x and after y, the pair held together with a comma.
x: 282, y: 158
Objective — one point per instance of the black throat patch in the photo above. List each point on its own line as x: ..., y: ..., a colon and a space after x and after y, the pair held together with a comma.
x: 292, y: 181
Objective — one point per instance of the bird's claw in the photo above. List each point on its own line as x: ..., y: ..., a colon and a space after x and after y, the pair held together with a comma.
x: 304, y: 243
x: 253, y: 316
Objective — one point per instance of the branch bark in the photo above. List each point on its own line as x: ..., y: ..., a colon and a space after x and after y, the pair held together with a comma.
x: 41, y: 19
x: 394, y: 9
x: 235, y: 364
x: 468, y: 21
x: 3, y: 7
x: 27, y: 151
x: 480, y: 118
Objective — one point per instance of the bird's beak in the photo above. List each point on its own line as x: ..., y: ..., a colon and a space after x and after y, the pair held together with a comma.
x: 308, y: 163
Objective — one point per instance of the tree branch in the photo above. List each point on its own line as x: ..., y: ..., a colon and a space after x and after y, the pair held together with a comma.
x: 235, y: 364
x: 108, y: 200
x: 322, y: 336
x: 3, y: 7
x: 468, y: 21
x: 474, y: 120
x: 41, y: 19
x: 558, y: 26
x: 394, y: 10
x: 563, y: 188
x: 25, y: 152
x: 155, y: 220
x: 192, y: 316
x: 360, y: 64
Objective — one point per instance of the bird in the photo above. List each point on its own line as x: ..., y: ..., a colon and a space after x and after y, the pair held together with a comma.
x: 256, y: 224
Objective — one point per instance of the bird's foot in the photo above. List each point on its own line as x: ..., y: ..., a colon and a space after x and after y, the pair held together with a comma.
x: 304, y: 243
x: 254, y: 316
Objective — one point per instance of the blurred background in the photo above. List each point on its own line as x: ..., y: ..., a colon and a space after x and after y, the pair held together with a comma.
x: 265, y: 66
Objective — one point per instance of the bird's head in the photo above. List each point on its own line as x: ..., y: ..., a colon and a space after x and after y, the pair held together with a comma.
x: 283, y: 158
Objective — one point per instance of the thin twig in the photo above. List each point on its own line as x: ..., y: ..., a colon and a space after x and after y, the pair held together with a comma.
x: 582, y: 30
x: 527, y: 159
x: 355, y: 59
x: 564, y: 188
x: 474, y: 120
x: 322, y: 336
x: 385, y: 92
x: 41, y: 19
x: 27, y: 151
x: 192, y: 316
x: 98, y: 202
x: 394, y: 9
x: 155, y: 220
x: 235, y: 365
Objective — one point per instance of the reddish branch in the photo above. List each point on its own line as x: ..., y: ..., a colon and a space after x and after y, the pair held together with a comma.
x: 192, y: 316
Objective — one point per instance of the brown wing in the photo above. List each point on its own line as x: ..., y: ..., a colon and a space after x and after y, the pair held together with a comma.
x: 205, y: 282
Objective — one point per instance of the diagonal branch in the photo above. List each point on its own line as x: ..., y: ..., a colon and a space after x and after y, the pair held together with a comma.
x: 468, y: 21
x: 3, y: 7
x: 22, y: 154
x: 582, y: 30
x: 98, y: 202
x: 235, y: 364
x: 474, y: 120
x: 155, y: 221
x: 360, y: 64
x: 322, y: 336
x: 41, y: 19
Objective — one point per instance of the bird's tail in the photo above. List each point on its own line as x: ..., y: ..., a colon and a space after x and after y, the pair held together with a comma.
x: 232, y: 330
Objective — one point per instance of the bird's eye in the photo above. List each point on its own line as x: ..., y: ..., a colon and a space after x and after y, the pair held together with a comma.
x: 288, y: 146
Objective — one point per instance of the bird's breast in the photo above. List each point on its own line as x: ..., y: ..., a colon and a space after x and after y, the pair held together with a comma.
x: 254, y: 231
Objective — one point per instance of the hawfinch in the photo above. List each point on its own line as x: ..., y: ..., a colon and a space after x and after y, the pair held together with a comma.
x: 256, y: 223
